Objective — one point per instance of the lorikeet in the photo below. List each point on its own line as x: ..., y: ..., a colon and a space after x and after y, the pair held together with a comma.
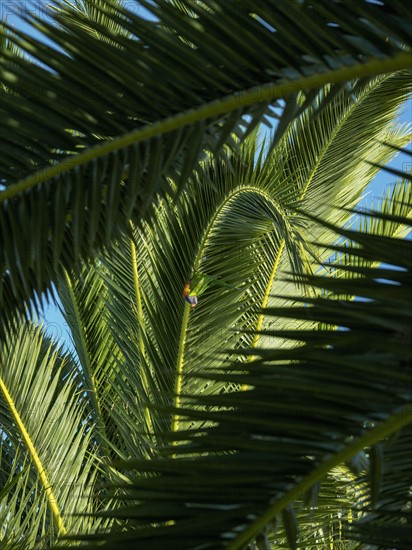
x: 198, y: 284
x: 189, y: 295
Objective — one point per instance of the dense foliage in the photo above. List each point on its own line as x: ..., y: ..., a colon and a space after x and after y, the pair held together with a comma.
x: 135, y: 157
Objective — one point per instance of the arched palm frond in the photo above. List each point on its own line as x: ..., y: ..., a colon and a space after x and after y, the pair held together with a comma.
x: 95, y: 128
x: 242, y: 230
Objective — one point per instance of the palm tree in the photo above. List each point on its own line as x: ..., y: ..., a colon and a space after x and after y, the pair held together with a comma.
x: 220, y: 448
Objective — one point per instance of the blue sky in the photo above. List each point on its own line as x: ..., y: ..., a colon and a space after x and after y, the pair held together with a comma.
x: 14, y: 9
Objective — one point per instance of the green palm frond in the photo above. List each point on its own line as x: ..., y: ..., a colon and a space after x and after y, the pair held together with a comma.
x: 9, y: 48
x: 100, y: 125
x: 145, y: 309
x: 47, y: 459
x: 329, y: 156
x: 322, y: 515
x: 389, y: 213
x: 98, y: 338
x: 307, y: 410
x: 242, y: 227
x: 228, y: 231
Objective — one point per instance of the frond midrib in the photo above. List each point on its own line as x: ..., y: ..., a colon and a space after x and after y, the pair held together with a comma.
x: 233, y: 102
x: 140, y: 316
x: 38, y: 464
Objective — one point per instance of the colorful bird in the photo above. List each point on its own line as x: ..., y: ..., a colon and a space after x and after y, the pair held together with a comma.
x: 189, y: 295
x: 198, y: 284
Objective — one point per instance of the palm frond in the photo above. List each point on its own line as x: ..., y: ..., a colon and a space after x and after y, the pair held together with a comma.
x: 46, y: 452
x: 234, y: 228
x: 92, y: 14
x: 86, y: 148
x: 7, y: 47
x: 83, y: 300
x: 307, y: 410
x: 329, y: 158
x: 322, y: 515
x: 389, y: 214
x: 99, y: 342
x: 228, y: 230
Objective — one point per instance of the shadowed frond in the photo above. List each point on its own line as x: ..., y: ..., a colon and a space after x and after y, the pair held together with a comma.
x: 386, y: 512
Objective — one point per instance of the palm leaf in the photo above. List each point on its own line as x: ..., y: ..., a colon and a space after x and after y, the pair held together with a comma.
x: 83, y: 138
x: 328, y: 155
x: 322, y: 515
x: 82, y: 300
x: 98, y: 339
x: 92, y: 14
x: 306, y: 411
x: 236, y: 228
x: 46, y: 453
